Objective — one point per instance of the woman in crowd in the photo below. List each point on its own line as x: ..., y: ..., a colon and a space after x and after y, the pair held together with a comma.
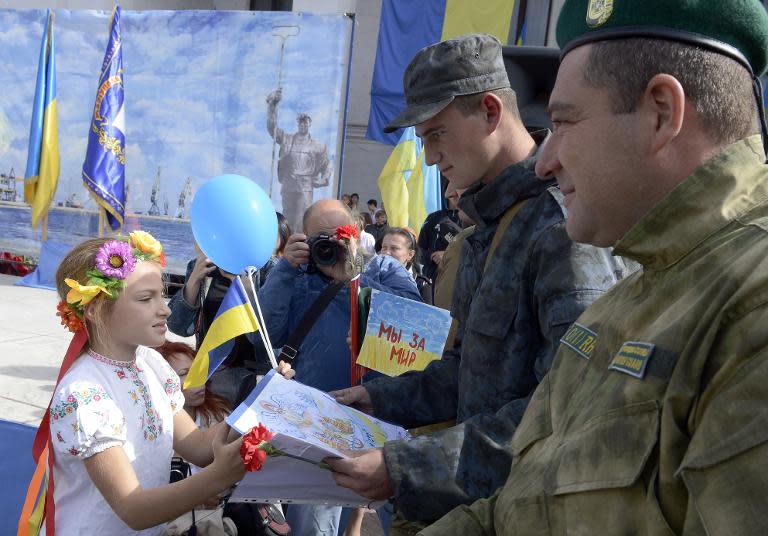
x: 400, y: 244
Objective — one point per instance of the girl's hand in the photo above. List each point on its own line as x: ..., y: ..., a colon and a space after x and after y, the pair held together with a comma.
x: 285, y: 369
x: 227, y: 463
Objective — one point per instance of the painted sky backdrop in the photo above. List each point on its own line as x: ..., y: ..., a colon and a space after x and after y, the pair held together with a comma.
x: 195, y: 86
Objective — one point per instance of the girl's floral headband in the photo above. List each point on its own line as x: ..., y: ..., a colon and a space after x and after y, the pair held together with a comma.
x: 115, y: 260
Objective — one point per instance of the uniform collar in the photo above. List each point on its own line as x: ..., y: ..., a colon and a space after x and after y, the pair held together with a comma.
x: 486, y: 203
x: 718, y: 192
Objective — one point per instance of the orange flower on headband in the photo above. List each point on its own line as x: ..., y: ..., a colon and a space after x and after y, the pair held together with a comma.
x: 146, y: 243
x: 69, y: 318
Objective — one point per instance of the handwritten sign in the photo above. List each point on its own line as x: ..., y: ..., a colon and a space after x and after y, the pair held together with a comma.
x: 402, y: 334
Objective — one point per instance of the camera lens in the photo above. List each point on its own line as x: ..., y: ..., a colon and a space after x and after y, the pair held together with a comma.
x: 325, y: 252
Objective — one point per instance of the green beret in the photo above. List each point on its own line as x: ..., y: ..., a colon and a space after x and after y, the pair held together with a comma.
x: 736, y: 28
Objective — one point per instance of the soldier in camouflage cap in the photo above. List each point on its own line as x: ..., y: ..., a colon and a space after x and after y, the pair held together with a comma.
x: 512, y: 305
x: 653, y: 417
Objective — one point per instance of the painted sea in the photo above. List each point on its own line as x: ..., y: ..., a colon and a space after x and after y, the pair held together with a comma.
x: 72, y: 225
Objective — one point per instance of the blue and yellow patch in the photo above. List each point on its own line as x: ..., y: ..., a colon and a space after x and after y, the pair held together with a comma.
x: 580, y: 339
x: 632, y: 358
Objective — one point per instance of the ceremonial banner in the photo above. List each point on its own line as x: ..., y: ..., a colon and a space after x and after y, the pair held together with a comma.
x: 402, y: 334
x: 308, y: 425
x: 104, y: 166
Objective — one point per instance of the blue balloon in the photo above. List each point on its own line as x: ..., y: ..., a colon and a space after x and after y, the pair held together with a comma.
x: 234, y: 223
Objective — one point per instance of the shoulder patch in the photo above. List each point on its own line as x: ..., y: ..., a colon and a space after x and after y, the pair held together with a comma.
x: 632, y: 358
x: 580, y: 339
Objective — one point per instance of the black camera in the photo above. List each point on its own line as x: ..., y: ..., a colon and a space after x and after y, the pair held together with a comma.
x: 323, y: 251
x: 179, y: 469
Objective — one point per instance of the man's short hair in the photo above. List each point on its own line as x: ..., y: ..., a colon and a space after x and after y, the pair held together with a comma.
x: 302, y: 117
x: 469, y: 104
x: 373, y: 202
x: 719, y: 88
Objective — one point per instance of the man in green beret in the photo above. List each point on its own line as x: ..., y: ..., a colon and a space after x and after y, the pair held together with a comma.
x: 652, y: 419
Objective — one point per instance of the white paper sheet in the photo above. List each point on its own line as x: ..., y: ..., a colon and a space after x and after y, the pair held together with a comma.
x: 308, y: 423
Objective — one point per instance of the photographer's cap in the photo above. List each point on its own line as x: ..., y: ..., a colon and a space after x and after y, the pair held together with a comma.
x: 736, y: 28
x: 441, y: 72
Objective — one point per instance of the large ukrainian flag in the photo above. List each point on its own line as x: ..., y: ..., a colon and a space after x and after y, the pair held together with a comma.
x: 410, y: 189
x: 42, y: 173
x: 234, y: 317
x: 104, y: 166
x: 406, y: 27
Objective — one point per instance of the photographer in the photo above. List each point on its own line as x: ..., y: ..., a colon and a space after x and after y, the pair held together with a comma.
x: 311, y: 262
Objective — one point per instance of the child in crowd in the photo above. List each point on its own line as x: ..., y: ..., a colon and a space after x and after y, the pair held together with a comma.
x: 116, y: 416
x: 400, y: 244
x: 205, y: 408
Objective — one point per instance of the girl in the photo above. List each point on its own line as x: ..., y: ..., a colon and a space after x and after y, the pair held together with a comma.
x: 116, y: 416
x: 400, y: 244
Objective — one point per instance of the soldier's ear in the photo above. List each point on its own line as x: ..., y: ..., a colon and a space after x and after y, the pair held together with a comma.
x: 664, y: 101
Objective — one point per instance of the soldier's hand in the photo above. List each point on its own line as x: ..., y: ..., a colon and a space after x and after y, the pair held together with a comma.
x: 437, y: 257
x: 296, y: 250
x: 358, y: 397
x: 365, y: 472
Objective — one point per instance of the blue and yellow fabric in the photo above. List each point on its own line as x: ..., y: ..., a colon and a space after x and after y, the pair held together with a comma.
x: 42, y: 173
x: 234, y: 317
x: 410, y: 189
x: 406, y: 27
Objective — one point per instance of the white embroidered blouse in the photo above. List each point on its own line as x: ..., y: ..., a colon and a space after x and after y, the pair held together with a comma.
x: 101, y: 403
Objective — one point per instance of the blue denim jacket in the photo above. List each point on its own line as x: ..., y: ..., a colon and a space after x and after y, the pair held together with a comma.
x: 324, y: 359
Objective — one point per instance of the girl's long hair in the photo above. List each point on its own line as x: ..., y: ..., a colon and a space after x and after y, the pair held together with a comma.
x: 215, y: 408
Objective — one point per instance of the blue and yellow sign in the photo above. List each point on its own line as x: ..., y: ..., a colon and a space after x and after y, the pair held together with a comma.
x: 402, y: 334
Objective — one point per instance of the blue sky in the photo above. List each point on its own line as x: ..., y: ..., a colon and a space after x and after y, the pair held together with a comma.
x: 195, y: 89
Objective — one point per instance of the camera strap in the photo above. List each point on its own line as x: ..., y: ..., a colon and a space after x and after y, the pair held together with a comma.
x: 291, y: 347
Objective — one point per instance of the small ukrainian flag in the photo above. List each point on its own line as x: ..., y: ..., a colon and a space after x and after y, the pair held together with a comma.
x: 234, y: 317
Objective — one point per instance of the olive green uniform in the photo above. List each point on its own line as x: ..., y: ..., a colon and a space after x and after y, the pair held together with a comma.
x: 654, y: 416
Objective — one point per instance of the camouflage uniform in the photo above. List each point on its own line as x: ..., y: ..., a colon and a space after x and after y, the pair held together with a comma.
x: 511, y: 318
x: 653, y: 419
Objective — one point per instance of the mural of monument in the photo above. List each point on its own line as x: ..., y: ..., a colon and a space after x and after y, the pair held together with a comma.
x: 196, y: 97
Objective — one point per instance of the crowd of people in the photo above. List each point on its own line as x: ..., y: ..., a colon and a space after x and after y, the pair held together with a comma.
x: 605, y: 368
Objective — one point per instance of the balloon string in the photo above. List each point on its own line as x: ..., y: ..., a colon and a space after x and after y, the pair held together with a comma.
x: 262, y: 325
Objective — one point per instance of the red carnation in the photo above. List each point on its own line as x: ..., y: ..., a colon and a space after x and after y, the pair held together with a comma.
x: 252, y: 451
x: 345, y: 232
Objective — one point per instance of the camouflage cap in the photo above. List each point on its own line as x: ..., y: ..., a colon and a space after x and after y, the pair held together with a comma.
x: 736, y: 28
x: 439, y: 73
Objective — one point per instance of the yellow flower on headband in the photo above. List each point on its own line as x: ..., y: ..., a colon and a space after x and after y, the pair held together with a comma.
x: 146, y: 243
x: 83, y: 293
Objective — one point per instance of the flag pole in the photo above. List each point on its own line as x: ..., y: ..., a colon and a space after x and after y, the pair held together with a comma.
x: 354, y: 287
x: 262, y: 325
x: 45, y: 227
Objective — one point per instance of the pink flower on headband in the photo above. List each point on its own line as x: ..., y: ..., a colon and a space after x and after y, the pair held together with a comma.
x: 115, y: 259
